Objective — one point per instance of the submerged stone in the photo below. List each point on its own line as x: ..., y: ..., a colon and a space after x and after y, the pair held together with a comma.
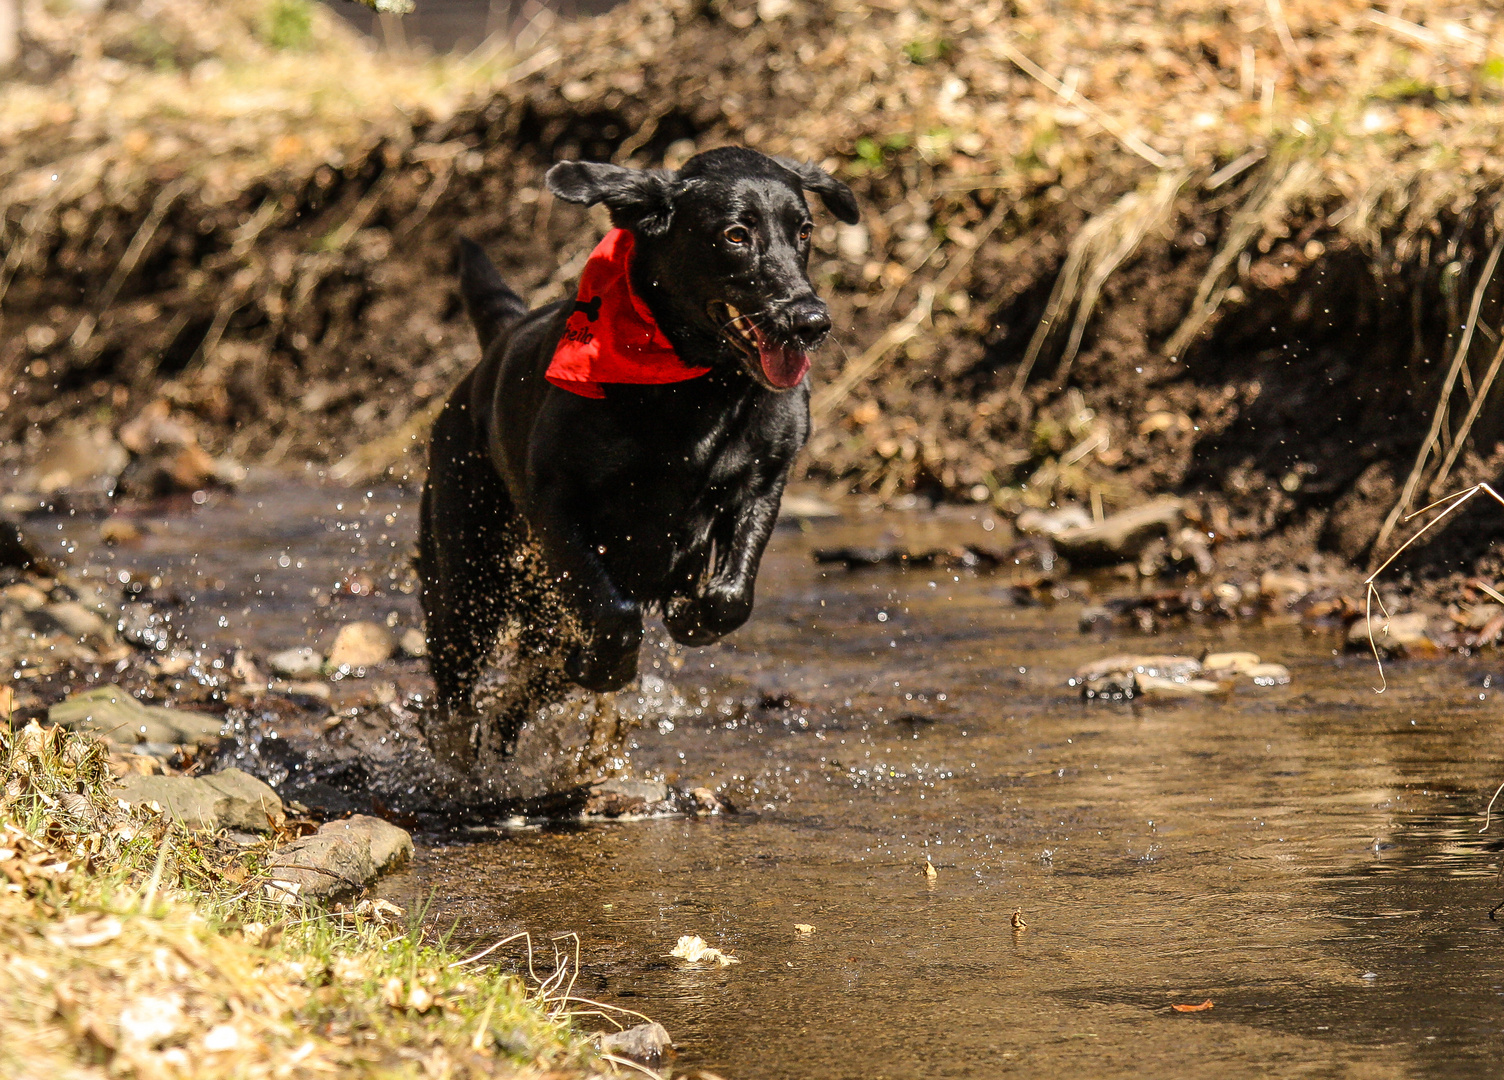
x: 299, y: 663
x: 622, y: 797
x: 1167, y: 667
x: 1398, y: 635
x: 646, y: 1043
x: 1152, y: 687
x: 1233, y: 662
x: 413, y: 643
x: 360, y: 645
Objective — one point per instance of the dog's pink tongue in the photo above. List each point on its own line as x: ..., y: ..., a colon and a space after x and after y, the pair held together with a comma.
x: 783, y: 366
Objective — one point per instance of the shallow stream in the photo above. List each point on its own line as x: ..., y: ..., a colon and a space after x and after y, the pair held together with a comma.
x: 1305, y: 857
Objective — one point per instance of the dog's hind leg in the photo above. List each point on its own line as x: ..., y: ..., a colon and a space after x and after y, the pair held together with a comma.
x: 468, y: 532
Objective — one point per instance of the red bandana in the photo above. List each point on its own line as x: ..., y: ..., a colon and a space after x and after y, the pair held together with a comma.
x: 611, y: 336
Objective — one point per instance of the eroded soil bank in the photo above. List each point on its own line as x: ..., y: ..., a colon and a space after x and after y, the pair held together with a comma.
x: 1234, y: 252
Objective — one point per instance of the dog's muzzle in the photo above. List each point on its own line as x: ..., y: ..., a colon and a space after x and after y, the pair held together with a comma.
x: 777, y: 365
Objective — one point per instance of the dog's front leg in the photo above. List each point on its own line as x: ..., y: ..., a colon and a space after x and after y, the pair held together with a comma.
x: 724, y: 602
x: 612, y: 623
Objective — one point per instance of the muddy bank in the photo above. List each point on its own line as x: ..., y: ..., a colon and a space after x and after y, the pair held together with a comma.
x: 1216, y: 252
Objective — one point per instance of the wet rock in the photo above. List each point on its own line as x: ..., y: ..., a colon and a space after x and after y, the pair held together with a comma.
x: 308, y: 688
x: 646, y: 1044
x: 1118, y: 678
x: 1123, y: 536
x: 805, y: 508
x: 76, y: 460
x: 1246, y: 665
x: 119, y: 530
x: 23, y: 596
x: 299, y: 663
x: 968, y: 557
x: 1113, y: 686
x: 341, y: 859
x: 360, y: 645
x: 1233, y: 663
x: 1477, y: 616
x: 114, y: 715
x: 1165, y: 667
x: 1399, y: 635
x: 1155, y: 688
x: 1281, y: 588
x: 621, y: 797
x: 413, y: 643
x: 226, y: 800
x: 1053, y: 523
x: 705, y: 801
x: 166, y: 456
x: 73, y: 619
x: 243, y: 668
x: 1268, y: 675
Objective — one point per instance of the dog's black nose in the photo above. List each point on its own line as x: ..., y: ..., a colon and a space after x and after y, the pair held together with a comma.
x: 811, y: 323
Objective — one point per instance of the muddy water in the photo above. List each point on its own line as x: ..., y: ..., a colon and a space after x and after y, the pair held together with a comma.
x: 1307, y: 857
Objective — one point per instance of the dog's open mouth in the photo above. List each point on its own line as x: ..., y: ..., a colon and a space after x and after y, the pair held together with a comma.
x: 781, y: 366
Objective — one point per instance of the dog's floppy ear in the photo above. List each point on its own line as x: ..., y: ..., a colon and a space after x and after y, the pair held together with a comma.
x: 836, y: 196
x: 639, y: 199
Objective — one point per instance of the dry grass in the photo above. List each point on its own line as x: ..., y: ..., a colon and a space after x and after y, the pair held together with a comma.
x: 130, y: 948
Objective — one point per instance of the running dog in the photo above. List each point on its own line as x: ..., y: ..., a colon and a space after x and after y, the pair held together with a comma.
x: 634, y: 440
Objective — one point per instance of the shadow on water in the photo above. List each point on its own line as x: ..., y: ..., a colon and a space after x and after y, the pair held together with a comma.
x: 1305, y: 857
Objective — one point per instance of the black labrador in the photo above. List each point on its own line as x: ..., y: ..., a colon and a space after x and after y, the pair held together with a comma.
x: 653, y: 496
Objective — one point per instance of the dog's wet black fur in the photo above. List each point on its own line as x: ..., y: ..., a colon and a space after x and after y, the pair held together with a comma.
x: 657, y: 496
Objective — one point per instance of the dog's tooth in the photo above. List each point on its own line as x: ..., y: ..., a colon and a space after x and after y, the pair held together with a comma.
x: 734, y: 313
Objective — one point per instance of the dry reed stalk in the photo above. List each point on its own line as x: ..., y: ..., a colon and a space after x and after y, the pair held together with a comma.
x: 1098, y: 250
x: 1473, y: 410
x: 1431, y: 443
x: 133, y: 252
x: 1281, y: 184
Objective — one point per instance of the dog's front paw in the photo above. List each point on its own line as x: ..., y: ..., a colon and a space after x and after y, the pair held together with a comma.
x: 700, y: 620
x: 609, y: 660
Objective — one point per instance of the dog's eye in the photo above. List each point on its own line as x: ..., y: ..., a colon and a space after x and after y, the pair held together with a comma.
x: 738, y: 235
x: 804, y: 232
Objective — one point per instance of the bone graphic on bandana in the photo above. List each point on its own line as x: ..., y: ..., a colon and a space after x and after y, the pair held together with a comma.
x: 592, y: 310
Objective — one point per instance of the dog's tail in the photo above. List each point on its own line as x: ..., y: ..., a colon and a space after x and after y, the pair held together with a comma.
x: 492, y: 306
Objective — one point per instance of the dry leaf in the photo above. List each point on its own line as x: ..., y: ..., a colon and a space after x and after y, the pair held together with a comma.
x: 391, y: 992
x: 1207, y: 1004
x: 804, y: 928
x: 152, y: 1019
x: 84, y: 931
x: 692, y: 947
x: 221, y: 1037
x: 381, y: 912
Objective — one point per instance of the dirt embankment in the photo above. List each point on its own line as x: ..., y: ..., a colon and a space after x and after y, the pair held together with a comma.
x: 1239, y: 250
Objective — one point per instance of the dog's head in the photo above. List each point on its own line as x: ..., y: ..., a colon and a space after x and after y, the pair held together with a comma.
x: 723, y: 249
